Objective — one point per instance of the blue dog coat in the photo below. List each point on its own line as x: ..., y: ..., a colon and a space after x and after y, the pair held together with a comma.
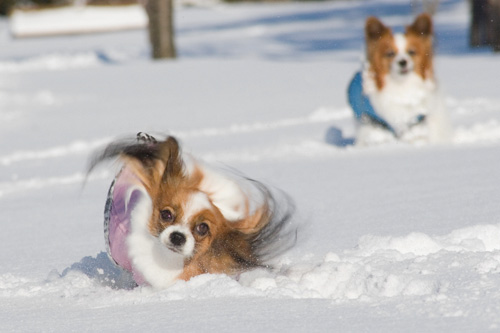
x: 363, y: 109
x: 360, y: 104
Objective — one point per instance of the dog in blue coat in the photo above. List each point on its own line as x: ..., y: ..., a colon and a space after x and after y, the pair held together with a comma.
x: 395, y: 95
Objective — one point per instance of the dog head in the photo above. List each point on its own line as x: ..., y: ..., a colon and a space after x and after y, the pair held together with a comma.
x: 398, y: 55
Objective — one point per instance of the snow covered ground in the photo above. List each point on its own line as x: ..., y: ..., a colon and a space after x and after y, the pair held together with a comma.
x: 392, y: 239
x: 76, y: 19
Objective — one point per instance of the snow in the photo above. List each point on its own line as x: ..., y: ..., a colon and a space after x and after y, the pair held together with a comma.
x: 76, y: 19
x: 391, y: 238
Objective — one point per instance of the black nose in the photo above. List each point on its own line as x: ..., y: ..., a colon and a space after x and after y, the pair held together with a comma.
x: 403, y: 63
x: 177, y: 239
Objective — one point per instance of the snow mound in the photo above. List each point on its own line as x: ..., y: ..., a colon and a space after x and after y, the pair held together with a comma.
x: 379, y: 267
x: 480, y: 132
x: 415, y: 265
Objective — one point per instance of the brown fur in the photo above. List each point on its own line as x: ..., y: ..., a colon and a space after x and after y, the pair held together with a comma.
x: 379, y: 44
x: 381, y: 48
x: 419, y: 36
x: 228, y: 252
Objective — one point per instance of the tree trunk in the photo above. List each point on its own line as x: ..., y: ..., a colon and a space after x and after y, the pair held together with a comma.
x: 485, y: 24
x: 476, y: 37
x: 495, y: 25
x: 161, y: 28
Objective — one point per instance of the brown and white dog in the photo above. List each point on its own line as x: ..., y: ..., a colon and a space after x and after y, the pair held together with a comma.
x: 398, y: 81
x: 170, y: 217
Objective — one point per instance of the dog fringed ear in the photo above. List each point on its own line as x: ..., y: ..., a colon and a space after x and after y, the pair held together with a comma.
x: 155, y: 162
x: 254, y: 222
x: 374, y: 28
x: 261, y: 215
x: 171, y: 157
x: 422, y: 26
x: 148, y: 159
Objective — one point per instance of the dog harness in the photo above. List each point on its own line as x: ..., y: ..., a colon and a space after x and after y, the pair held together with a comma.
x: 363, y: 109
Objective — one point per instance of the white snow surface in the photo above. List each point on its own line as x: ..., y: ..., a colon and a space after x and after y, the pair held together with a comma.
x: 76, y: 19
x: 394, y: 238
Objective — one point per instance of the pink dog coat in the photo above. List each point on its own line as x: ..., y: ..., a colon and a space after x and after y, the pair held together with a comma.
x: 122, y: 197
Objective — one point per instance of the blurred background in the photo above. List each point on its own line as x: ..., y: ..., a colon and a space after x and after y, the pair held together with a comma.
x: 484, y: 27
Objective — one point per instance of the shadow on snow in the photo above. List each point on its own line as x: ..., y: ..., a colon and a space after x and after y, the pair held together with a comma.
x: 451, y: 39
x: 102, y: 270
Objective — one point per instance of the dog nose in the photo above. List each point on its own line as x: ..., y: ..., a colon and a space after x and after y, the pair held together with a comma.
x: 403, y: 63
x: 177, y: 239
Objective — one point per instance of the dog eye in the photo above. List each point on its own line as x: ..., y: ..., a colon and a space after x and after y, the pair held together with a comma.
x: 390, y: 54
x: 201, y: 229
x: 167, y: 215
x: 412, y: 52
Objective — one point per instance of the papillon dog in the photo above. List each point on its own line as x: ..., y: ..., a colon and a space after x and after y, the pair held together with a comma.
x: 171, y: 217
x: 396, y: 95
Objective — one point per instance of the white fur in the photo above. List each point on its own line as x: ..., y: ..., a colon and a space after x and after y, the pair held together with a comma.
x: 158, y: 265
x: 401, y: 55
x: 400, y: 42
x: 196, y: 202
x: 225, y: 194
x: 189, y: 164
x: 401, y: 100
x: 187, y: 250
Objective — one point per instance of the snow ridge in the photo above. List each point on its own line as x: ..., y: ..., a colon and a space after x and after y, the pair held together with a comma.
x: 487, y: 131
x: 74, y: 148
x: 52, y: 62
x: 479, y: 133
x: 380, y: 268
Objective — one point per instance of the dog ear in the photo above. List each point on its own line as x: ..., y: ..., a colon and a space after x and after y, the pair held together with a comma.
x: 151, y: 161
x: 154, y: 162
x: 422, y: 26
x: 159, y: 162
x: 257, y: 218
x: 225, y: 193
x: 171, y: 157
x: 374, y: 28
x: 253, y: 223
